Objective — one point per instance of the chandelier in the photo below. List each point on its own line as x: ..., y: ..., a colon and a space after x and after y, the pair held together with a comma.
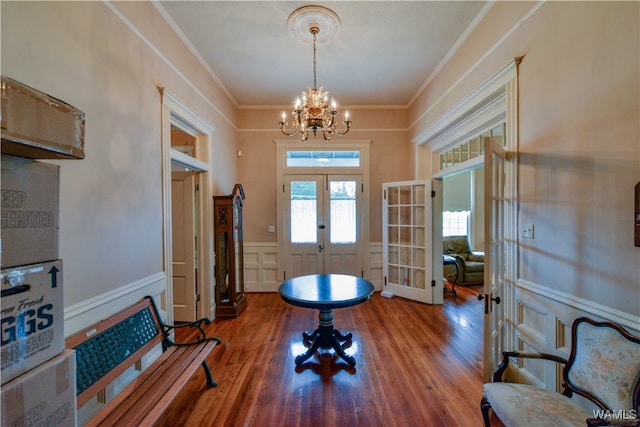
x: 314, y: 113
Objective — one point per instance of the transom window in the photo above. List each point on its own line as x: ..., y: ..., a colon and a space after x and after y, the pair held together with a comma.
x: 472, y: 148
x: 306, y: 159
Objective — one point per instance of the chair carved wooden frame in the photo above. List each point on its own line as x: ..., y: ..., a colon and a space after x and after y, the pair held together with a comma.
x: 603, y: 366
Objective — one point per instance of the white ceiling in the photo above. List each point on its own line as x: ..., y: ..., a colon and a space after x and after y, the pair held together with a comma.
x: 385, y: 52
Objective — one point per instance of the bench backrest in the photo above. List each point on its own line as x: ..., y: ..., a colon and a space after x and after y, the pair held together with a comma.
x: 604, y: 364
x: 107, y: 349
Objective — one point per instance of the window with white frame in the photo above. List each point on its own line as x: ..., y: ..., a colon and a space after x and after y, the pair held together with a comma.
x: 455, y: 223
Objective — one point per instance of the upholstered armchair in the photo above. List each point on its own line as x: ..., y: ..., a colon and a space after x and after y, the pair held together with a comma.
x: 469, y: 266
x: 603, y: 366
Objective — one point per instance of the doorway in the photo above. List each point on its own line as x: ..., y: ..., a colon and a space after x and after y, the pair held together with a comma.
x: 323, y: 214
x: 184, y: 250
x: 323, y: 219
x: 187, y: 211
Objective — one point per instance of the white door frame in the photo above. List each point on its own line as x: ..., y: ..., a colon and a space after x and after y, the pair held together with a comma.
x: 176, y: 113
x: 284, y: 145
x: 493, y: 102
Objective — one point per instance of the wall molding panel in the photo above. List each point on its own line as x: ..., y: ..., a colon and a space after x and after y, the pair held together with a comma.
x: 580, y: 305
x: 541, y: 320
x: 375, y: 275
x: 261, y: 266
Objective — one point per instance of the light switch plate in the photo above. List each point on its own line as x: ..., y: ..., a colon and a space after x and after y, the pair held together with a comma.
x: 527, y: 231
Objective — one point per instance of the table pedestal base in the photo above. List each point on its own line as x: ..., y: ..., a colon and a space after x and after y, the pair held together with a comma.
x: 326, y: 337
x: 449, y: 260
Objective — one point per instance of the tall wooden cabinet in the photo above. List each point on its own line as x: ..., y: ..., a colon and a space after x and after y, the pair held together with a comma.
x: 412, y: 240
x: 229, y: 270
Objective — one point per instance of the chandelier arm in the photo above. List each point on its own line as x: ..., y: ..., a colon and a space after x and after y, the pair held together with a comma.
x: 347, y: 123
x: 288, y: 133
x: 283, y: 126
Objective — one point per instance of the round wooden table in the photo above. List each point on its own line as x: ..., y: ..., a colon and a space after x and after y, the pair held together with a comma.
x: 326, y: 292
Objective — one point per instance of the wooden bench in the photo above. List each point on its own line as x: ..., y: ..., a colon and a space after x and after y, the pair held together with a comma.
x: 107, y: 349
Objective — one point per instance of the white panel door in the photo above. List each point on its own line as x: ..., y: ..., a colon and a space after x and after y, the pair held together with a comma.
x: 183, y: 246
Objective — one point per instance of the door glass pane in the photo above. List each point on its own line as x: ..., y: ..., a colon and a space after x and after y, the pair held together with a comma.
x: 304, y: 212
x: 183, y: 142
x: 343, y: 212
x: 314, y: 159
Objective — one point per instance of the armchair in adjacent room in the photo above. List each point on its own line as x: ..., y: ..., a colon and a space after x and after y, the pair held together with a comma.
x: 469, y: 263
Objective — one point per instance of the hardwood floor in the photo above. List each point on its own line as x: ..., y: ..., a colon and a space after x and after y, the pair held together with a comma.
x: 417, y: 365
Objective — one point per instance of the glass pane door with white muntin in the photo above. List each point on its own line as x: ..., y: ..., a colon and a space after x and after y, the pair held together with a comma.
x: 408, y: 242
x: 323, y: 224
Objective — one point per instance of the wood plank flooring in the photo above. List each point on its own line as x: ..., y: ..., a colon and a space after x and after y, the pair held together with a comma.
x: 417, y: 365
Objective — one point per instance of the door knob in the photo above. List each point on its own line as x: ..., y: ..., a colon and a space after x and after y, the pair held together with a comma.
x: 486, y: 301
x: 320, y: 248
x: 496, y: 299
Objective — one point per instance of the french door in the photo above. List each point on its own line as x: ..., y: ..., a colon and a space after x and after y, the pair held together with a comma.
x: 323, y: 224
x: 412, y: 240
x: 498, y: 204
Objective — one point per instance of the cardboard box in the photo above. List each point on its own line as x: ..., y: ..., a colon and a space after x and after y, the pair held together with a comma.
x: 32, y: 317
x: 39, y: 126
x: 44, y: 396
x: 29, y: 215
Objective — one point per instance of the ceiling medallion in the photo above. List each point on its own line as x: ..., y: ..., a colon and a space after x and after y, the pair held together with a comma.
x: 317, y: 25
x: 306, y: 17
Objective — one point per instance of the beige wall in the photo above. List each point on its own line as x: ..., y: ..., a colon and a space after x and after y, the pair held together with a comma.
x: 390, y: 157
x: 579, y: 149
x: 109, y: 63
x: 579, y: 142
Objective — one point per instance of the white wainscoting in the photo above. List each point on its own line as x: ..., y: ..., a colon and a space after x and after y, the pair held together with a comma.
x: 261, y: 266
x: 375, y: 265
x: 79, y: 316
x: 541, y: 318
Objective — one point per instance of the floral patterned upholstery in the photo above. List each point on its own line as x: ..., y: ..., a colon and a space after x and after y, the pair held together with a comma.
x: 605, y: 364
x: 526, y: 405
x: 604, y: 367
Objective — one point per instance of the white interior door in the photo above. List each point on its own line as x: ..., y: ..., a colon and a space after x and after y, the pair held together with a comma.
x: 183, y: 248
x: 412, y: 240
x: 323, y: 225
x: 496, y: 253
